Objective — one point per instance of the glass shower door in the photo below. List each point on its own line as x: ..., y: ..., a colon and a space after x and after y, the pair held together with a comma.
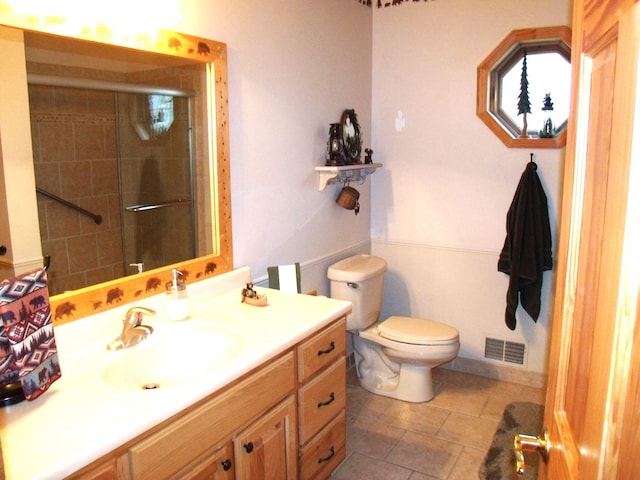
x: 156, y: 179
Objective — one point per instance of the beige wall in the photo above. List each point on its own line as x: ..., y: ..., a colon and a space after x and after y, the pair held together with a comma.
x: 294, y: 66
x: 439, y: 206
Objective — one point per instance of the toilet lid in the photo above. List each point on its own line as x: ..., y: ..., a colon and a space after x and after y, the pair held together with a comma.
x: 417, y: 331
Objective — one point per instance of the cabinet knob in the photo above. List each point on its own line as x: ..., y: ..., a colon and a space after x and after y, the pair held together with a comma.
x: 226, y: 465
x: 248, y: 447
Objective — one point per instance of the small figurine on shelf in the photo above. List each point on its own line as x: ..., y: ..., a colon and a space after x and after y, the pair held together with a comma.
x: 251, y: 297
x: 548, y: 128
x: 367, y: 156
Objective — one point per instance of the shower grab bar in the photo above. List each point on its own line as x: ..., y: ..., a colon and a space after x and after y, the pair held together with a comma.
x: 154, y: 206
x: 73, y: 206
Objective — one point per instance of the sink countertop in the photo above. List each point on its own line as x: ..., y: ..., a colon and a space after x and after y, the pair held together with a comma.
x: 82, y: 418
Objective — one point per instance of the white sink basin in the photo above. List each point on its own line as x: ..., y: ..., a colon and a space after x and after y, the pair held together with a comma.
x: 176, y: 353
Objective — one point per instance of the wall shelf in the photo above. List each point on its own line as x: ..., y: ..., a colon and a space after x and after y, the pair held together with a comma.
x: 352, y: 173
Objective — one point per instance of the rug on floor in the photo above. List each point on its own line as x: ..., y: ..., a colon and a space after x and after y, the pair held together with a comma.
x: 500, y: 462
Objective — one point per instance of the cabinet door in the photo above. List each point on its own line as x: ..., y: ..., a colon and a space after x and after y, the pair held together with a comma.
x: 267, y: 448
x: 111, y: 468
x: 217, y: 466
x: 106, y: 471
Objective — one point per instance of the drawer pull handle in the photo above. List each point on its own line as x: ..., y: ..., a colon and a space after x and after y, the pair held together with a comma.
x: 226, y: 465
x: 332, y: 397
x: 248, y: 447
x: 332, y: 347
x: 332, y: 452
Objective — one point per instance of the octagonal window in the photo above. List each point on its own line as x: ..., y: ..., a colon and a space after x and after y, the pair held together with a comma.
x: 524, y: 88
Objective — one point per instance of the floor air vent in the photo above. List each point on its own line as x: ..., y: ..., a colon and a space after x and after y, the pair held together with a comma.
x: 504, y: 351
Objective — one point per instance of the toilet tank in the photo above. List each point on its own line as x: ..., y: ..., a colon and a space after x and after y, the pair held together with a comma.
x: 359, y: 279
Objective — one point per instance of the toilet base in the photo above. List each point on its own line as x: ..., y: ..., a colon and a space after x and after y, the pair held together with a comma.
x: 413, y: 384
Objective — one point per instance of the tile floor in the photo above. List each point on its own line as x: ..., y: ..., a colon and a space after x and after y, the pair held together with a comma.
x: 444, y: 439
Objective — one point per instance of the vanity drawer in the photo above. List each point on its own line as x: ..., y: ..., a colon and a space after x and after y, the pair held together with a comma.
x: 321, y: 399
x: 322, y: 350
x: 187, y: 438
x: 324, y: 453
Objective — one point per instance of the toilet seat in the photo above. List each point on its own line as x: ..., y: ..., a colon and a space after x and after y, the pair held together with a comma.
x: 417, y: 331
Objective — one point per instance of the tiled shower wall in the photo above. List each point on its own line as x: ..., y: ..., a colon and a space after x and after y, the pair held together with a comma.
x: 74, y: 148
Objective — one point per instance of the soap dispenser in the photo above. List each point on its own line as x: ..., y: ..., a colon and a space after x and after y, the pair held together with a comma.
x: 177, y: 302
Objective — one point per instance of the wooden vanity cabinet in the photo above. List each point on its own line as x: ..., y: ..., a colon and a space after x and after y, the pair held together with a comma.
x: 243, y: 406
x: 285, y: 420
x: 322, y: 401
x: 259, y: 452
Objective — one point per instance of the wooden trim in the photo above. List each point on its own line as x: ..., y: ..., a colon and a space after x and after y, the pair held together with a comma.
x: 76, y: 304
x: 621, y: 389
x: 511, y: 41
x: 568, y: 247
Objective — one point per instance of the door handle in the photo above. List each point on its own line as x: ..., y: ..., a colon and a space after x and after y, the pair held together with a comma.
x: 528, y: 443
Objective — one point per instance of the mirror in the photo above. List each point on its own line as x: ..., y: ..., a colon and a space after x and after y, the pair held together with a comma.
x: 524, y: 88
x: 176, y: 76
x: 116, y: 171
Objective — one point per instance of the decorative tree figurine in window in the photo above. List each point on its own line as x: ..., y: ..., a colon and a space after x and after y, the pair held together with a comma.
x: 524, y: 105
x: 548, y: 129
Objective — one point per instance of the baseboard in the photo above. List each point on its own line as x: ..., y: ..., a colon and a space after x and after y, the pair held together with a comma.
x: 498, y: 372
x: 484, y: 369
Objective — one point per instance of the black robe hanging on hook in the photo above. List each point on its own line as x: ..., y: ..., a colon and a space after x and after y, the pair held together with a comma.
x: 526, y: 253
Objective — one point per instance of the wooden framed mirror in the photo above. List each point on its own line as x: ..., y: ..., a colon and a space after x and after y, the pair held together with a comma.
x: 161, y: 50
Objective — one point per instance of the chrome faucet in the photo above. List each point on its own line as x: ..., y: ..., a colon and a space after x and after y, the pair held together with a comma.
x: 133, y: 331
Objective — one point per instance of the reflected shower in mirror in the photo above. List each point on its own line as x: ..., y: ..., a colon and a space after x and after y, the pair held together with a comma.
x: 156, y: 179
x: 154, y: 65
x: 120, y: 149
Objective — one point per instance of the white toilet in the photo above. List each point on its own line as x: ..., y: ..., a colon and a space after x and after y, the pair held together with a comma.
x: 394, y: 357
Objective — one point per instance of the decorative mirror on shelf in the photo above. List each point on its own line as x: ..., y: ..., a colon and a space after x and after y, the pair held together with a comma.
x: 351, y: 136
x: 524, y: 88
